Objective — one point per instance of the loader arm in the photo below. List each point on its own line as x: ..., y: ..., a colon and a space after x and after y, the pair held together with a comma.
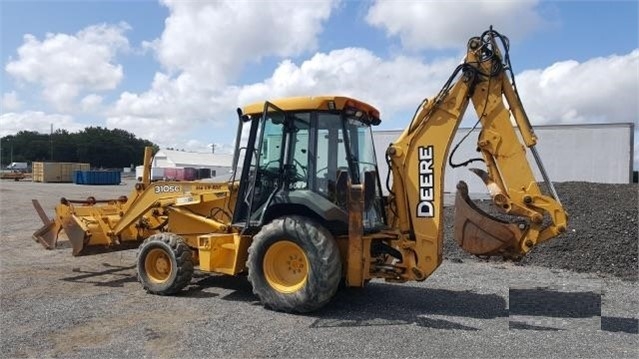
x: 173, y: 197
x: 418, y: 158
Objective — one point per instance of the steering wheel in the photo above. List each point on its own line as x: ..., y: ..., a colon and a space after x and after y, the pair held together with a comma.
x: 267, y: 164
x: 325, y: 168
x: 367, y: 163
x: 301, y: 166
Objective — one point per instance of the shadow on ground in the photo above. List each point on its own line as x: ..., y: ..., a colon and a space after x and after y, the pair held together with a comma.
x: 545, y: 302
x: 387, y: 304
x: 112, y: 276
x: 381, y: 304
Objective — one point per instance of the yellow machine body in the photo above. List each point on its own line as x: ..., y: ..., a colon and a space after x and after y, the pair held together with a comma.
x: 181, y: 224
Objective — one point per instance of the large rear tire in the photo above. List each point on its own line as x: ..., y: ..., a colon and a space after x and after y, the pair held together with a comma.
x: 164, y: 264
x: 294, y: 265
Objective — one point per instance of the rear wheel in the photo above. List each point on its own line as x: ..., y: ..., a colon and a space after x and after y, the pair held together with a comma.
x: 294, y: 265
x: 164, y: 264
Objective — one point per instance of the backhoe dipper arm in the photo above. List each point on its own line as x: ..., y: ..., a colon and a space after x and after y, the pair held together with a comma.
x: 418, y: 158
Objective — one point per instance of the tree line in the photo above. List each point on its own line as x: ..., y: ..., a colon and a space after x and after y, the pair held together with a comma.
x: 100, y: 147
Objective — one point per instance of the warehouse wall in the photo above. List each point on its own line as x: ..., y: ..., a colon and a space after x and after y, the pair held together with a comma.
x: 599, y: 153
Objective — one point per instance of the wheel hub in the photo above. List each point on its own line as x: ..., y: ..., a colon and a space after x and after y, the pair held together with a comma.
x: 285, y: 266
x: 158, y: 265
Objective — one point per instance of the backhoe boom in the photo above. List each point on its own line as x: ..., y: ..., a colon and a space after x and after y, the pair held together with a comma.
x: 418, y: 159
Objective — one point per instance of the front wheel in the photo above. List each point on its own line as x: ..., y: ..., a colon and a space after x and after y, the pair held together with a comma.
x: 164, y: 264
x: 294, y: 265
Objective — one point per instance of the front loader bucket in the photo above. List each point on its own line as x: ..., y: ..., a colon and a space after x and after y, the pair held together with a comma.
x: 479, y: 233
x: 81, y: 227
x: 47, y: 235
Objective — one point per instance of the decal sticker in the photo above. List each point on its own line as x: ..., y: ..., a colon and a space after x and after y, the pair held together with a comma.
x: 185, y: 200
x: 426, y: 207
x: 167, y: 188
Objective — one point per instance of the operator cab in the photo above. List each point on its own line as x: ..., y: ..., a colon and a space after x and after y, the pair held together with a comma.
x: 296, y: 156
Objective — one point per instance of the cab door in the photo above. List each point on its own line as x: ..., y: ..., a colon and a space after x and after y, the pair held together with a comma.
x: 262, y: 173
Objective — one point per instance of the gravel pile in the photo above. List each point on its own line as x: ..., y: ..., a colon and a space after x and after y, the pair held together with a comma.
x: 602, y: 232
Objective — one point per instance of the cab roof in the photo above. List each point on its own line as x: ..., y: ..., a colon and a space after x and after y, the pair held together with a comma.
x: 306, y: 103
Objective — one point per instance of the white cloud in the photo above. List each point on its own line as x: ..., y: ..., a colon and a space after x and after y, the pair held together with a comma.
x: 448, y: 24
x: 599, y: 90
x: 171, y: 108
x: 393, y: 86
x: 91, y: 103
x: 603, y: 89
x: 67, y: 65
x: 10, y: 102
x: 203, y: 47
x: 213, y: 40
x: 202, y: 53
x: 12, y: 122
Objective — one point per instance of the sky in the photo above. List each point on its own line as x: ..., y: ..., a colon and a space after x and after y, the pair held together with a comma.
x: 174, y: 72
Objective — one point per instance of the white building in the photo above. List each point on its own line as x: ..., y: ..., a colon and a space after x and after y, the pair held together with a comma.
x: 601, y: 153
x: 219, y: 164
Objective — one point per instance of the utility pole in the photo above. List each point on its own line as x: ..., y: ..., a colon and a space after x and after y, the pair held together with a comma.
x: 51, y: 142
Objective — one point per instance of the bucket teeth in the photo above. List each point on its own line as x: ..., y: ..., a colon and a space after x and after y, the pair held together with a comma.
x: 47, y: 235
x: 479, y: 233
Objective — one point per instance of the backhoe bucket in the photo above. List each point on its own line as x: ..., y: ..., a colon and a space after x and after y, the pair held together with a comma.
x: 479, y: 233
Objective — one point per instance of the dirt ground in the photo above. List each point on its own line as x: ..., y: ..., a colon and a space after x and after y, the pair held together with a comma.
x: 56, y: 305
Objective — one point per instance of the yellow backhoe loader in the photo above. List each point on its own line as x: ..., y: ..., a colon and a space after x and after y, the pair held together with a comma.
x: 304, y: 210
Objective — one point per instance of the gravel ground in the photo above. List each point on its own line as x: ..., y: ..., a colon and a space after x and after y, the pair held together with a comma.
x: 56, y: 305
x: 602, y: 233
